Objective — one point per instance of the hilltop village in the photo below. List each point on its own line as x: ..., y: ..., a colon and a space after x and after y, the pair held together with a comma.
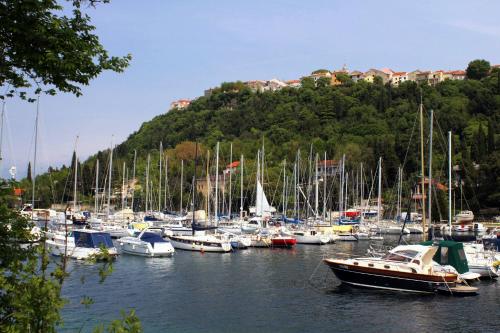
x: 338, y: 77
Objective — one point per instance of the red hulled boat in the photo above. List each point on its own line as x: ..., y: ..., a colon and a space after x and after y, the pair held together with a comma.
x: 283, y: 241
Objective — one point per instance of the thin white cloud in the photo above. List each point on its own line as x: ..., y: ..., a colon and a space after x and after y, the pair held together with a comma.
x: 483, y: 29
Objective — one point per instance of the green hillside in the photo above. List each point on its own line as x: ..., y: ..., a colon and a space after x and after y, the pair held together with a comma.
x: 362, y: 120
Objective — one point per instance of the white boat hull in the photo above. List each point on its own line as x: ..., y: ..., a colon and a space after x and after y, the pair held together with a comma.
x: 347, y: 238
x: 201, y: 244
x: 146, y: 249
x: 75, y: 252
x: 311, y: 239
x: 258, y: 241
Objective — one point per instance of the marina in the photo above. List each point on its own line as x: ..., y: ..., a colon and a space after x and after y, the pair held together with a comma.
x: 258, y: 166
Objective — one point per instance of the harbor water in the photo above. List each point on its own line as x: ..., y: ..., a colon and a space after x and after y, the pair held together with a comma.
x: 264, y: 290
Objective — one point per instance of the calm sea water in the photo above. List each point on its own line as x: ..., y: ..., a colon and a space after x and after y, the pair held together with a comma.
x: 263, y: 290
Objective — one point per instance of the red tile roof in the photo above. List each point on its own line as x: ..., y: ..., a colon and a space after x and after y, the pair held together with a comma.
x: 235, y: 164
x: 328, y: 163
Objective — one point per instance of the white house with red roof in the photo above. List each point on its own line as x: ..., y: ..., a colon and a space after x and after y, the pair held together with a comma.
x: 180, y: 104
x: 398, y: 78
x: 455, y: 75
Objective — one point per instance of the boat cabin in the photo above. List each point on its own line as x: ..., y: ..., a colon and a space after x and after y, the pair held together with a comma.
x: 92, y: 239
x: 152, y: 238
x: 450, y: 253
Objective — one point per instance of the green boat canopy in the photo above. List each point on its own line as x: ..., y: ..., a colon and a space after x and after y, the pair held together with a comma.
x: 450, y: 253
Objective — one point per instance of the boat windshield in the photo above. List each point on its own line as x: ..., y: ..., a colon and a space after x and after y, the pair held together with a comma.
x: 93, y: 240
x: 403, y: 255
x: 152, y: 237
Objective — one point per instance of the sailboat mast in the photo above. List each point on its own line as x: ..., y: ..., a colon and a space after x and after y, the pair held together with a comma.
x: 422, y: 165
x: 230, y: 180
x: 398, y: 213
x: 379, y: 198
x: 110, y: 175
x: 324, y: 189
x: 166, y: 182
x: 193, y: 190
x: 96, y: 192
x: 341, y: 192
x: 182, y: 184
x: 298, y: 184
x: 257, y: 186
x: 316, y: 185
x: 123, y: 186
x: 449, y: 180
x: 241, y: 188
x: 346, y: 195
x: 34, y: 157
x: 295, y: 189
x: 430, y: 166
x: 362, y: 184
x: 216, y: 201
x: 147, y: 182
x: 208, y: 184
x: 284, y: 188
x: 262, y: 181
x: 76, y: 177
x: 159, y: 177
x: 133, y: 178
x: 1, y: 132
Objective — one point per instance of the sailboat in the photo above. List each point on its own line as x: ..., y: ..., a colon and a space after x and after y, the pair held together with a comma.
x: 73, y: 216
x: 199, y: 240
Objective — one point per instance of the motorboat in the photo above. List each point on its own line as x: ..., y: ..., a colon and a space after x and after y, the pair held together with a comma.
x: 199, y: 241
x: 239, y: 241
x: 310, y: 236
x: 390, y: 228
x: 464, y: 216
x: 80, y: 244
x: 76, y: 218
x: 148, y: 244
x: 405, y: 268
x: 307, y: 236
x: 491, y: 241
x: 229, y: 227
x: 252, y: 226
x: 461, y: 228
x: 37, y: 214
x: 478, y: 227
x: 450, y: 257
x: 481, y: 261
x: 414, y: 228
x: 115, y: 230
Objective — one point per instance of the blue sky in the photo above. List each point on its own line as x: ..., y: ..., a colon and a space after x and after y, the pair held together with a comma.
x: 180, y: 48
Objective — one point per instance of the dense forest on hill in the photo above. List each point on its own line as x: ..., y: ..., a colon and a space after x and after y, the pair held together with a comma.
x: 362, y: 120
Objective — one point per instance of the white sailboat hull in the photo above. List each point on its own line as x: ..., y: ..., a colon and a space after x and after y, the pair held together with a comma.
x: 311, y: 239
